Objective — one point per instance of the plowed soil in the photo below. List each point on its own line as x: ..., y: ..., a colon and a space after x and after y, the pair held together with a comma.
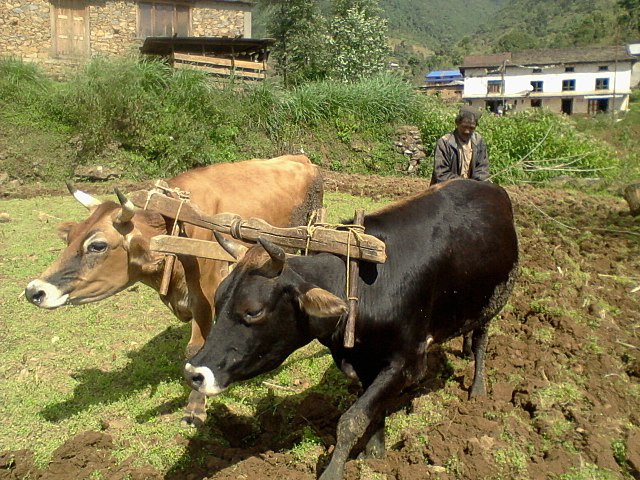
x: 563, y: 373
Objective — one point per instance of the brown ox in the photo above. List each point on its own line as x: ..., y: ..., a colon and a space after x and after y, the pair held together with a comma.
x: 109, y: 251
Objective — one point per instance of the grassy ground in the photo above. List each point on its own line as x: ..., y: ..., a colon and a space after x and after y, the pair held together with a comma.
x: 115, y: 364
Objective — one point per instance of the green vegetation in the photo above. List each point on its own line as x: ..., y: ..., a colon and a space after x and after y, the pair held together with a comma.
x: 154, y: 121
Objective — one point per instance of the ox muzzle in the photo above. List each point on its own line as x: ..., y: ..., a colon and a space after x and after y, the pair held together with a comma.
x: 202, y: 380
x: 45, y: 295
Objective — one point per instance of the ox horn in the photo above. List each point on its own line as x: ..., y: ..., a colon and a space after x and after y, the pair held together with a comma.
x: 85, y: 199
x: 128, y: 208
x: 235, y: 249
x: 276, y: 253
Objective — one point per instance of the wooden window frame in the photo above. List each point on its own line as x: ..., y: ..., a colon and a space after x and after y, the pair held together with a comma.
x: 174, y: 22
x: 494, y: 86
x: 569, y: 85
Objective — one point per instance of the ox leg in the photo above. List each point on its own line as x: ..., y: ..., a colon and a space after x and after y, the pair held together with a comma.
x: 195, y: 414
x: 354, y: 422
x: 467, y: 345
x: 480, y: 340
x: 375, y: 446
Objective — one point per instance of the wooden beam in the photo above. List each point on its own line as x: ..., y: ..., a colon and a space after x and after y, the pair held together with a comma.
x: 189, y: 246
x: 352, y: 291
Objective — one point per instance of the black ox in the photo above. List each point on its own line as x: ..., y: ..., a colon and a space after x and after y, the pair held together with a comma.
x: 452, y: 256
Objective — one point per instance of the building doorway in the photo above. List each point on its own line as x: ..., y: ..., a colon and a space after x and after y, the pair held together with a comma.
x: 599, y: 105
x: 70, y: 28
x: 567, y: 106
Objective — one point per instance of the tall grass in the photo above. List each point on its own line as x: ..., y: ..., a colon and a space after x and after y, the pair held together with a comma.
x: 158, y: 121
x: 21, y: 82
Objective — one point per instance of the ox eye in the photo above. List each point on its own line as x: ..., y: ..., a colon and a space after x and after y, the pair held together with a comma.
x: 97, y: 247
x: 254, y: 316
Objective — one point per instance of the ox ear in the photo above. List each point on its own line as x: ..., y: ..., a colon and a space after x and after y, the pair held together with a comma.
x: 318, y: 302
x: 142, y: 257
x: 64, y: 229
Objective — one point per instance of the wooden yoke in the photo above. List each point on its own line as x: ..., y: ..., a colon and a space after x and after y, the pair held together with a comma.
x: 161, y: 187
x: 353, y: 270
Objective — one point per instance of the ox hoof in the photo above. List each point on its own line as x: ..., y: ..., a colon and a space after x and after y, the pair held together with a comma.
x: 477, y: 392
x: 192, y: 420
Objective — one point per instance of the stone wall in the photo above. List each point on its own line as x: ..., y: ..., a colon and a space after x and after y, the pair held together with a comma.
x: 113, y: 28
x: 216, y: 20
x: 25, y: 26
x: 25, y: 29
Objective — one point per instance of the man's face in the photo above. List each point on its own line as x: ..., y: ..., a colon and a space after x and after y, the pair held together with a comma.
x: 464, y: 129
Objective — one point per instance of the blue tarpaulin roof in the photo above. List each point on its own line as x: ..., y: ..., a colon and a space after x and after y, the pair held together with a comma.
x: 443, y: 76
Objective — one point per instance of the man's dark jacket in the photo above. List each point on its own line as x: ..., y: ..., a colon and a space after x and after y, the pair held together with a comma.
x: 448, y: 163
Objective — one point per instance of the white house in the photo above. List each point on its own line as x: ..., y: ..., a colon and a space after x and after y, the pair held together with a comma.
x: 577, y: 80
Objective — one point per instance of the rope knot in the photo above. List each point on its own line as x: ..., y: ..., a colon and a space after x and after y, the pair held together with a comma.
x: 236, y: 225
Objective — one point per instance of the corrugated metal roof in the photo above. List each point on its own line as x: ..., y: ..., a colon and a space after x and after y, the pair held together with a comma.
x: 550, y: 57
x: 444, y: 73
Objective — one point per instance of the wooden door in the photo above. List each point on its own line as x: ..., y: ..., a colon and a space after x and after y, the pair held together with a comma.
x: 70, y: 28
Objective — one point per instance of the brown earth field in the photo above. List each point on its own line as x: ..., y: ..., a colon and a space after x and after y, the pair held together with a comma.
x: 563, y: 368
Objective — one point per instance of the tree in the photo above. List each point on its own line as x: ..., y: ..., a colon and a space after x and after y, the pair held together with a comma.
x: 300, y: 34
x: 630, y: 15
x: 515, y: 40
x: 358, y: 41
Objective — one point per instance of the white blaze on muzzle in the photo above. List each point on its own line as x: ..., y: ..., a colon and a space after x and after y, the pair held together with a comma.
x: 202, y: 380
x: 46, y: 295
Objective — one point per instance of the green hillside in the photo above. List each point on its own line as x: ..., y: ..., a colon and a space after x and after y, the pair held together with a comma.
x: 438, y: 33
x: 436, y: 22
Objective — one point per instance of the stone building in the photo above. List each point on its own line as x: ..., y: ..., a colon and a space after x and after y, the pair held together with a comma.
x: 52, y: 31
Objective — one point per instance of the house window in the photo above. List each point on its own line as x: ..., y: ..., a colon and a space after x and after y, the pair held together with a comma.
x: 602, y: 84
x: 537, y: 85
x: 603, y: 68
x: 569, y: 69
x: 536, y: 102
x: 537, y: 70
x: 163, y: 19
x: 568, y: 85
x: 494, y: 86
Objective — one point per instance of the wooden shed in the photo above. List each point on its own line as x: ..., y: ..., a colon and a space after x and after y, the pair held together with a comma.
x: 244, y: 58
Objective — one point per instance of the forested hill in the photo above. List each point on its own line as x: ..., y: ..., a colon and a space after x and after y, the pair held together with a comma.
x: 432, y: 23
x: 436, y: 34
x: 506, y: 25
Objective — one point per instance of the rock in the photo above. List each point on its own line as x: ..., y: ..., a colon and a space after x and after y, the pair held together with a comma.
x: 95, y: 173
x: 632, y: 196
x: 633, y: 449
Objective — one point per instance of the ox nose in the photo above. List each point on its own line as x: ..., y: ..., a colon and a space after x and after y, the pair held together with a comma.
x: 194, y: 378
x: 35, y: 295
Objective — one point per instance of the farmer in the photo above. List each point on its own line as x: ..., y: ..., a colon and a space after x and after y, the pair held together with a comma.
x: 461, y: 153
